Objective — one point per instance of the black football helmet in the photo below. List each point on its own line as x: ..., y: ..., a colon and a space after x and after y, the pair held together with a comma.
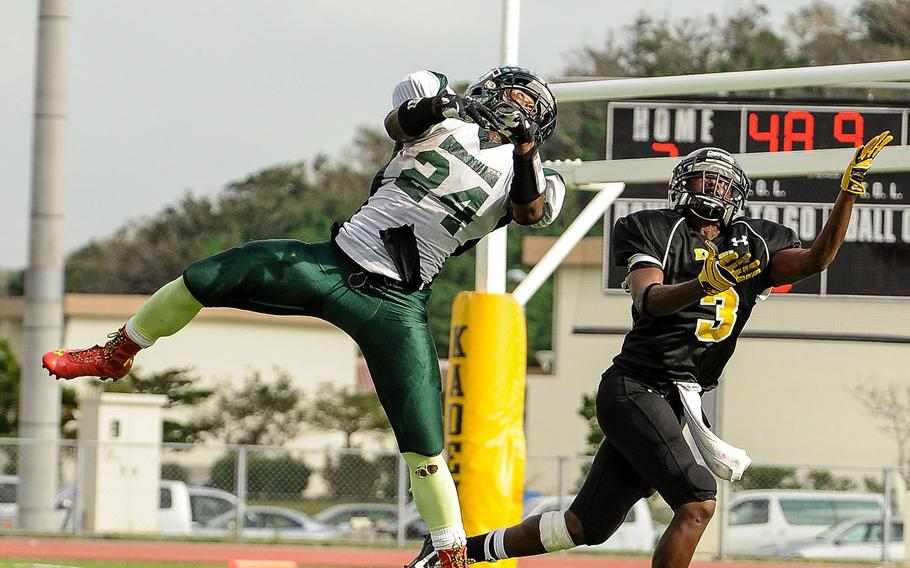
x: 489, y: 89
x: 709, y: 184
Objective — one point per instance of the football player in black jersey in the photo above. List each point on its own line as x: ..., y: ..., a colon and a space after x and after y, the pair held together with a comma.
x: 696, y: 270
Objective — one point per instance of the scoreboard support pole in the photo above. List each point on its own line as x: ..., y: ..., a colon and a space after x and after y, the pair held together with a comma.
x: 592, y: 213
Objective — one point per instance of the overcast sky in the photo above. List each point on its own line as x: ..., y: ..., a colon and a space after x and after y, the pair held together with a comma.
x: 174, y: 96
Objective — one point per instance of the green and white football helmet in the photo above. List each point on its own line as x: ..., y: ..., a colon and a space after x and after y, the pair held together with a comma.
x: 489, y: 89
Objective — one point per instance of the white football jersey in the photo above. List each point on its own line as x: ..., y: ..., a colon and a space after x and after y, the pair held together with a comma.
x: 451, y: 184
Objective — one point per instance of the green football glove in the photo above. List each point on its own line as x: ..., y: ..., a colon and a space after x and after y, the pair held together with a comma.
x: 725, y: 270
x: 852, y: 180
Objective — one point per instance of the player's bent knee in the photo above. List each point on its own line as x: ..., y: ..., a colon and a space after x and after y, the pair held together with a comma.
x: 599, y: 533
x: 426, y: 446
x: 595, y: 527
x: 697, y: 485
x: 698, y: 512
x: 576, y: 528
x: 554, y: 533
x: 702, y: 481
x: 210, y: 280
x: 226, y: 276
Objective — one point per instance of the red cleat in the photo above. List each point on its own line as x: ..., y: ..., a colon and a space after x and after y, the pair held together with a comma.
x: 456, y: 557
x: 112, y: 361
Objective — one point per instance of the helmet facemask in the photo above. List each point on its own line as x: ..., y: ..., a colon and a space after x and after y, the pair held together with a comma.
x: 710, y: 185
x: 492, y: 90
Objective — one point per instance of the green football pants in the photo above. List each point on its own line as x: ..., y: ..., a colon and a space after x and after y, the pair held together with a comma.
x: 290, y: 277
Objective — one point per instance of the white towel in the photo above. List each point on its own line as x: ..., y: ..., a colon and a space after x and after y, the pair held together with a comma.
x: 724, y: 460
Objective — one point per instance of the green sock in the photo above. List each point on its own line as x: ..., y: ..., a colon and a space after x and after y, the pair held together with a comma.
x: 165, y: 313
x: 434, y: 491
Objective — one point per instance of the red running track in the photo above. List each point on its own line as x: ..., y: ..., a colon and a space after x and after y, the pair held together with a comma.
x: 118, y: 550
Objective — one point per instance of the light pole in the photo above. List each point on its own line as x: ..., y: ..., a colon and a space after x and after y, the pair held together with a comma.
x: 39, y: 416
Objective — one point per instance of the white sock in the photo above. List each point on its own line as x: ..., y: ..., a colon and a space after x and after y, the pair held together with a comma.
x: 449, y: 537
x: 133, y: 333
x: 493, y: 547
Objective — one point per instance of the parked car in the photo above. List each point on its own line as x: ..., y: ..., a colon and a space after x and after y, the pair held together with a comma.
x: 274, y: 523
x: 372, y: 517
x: 9, y: 506
x: 182, y: 507
x: 854, y: 539
x: 759, y: 519
x: 637, y: 533
x: 9, y: 484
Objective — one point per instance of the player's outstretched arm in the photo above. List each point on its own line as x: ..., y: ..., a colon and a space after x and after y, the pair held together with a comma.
x: 792, y: 265
x: 416, y: 116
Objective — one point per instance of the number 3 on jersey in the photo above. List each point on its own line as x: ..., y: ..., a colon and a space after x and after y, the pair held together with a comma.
x: 720, y: 328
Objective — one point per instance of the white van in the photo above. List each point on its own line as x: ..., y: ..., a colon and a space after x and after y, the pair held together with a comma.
x: 757, y: 519
x: 636, y: 534
x: 182, y: 508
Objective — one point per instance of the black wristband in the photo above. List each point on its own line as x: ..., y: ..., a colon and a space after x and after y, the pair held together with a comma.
x: 644, y: 300
x: 524, y: 187
x: 416, y: 118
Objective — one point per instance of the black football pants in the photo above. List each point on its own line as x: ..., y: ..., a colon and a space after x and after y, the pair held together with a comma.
x: 644, y: 450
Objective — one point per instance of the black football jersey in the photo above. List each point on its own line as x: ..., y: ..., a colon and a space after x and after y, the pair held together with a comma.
x: 695, y: 343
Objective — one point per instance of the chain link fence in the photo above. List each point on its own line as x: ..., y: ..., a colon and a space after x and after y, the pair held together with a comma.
x: 286, y: 494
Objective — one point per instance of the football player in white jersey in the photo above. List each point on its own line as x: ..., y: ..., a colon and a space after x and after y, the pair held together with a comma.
x: 463, y: 166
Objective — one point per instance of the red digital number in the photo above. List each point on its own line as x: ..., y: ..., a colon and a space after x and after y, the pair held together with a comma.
x: 667, y: 148
x: 770, y: 136
x: 855, y: 137
x: 806, y: 136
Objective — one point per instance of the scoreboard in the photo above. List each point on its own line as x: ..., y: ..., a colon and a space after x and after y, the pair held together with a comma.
x: 652, y: 129
x: 875, y: 257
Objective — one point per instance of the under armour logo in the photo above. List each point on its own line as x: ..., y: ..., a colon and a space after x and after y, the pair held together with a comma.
x: 739, y: 241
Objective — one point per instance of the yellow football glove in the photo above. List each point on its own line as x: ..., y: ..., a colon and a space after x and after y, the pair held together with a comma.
x: 852, y: 180
x: 725, y: 270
